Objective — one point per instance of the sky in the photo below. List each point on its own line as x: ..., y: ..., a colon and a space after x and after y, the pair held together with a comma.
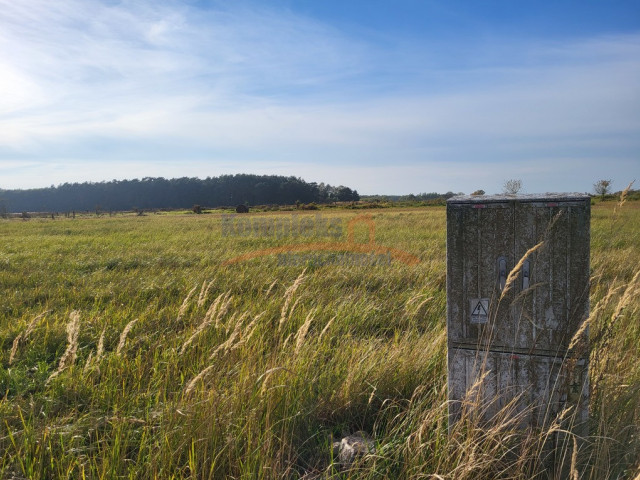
x: 387, y: 97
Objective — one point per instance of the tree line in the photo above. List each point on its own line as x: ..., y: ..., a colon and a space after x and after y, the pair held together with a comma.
x: 161, y: 193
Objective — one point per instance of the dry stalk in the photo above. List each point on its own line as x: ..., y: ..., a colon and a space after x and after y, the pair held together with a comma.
x: 326, y: 327
x: 623, y: 198
x: 288, y: 295
x: 302, y: 331
x: 222, y: 309
x: 627, y: 296
x: 266, y: 376
x: 100, y: 351
x: 516, y: 270
x: 228, y: 345
x: 202, y: 288
x: 253, y: 326
x: 21, y: 338
x: 415, y: 298
x: 420, y: 305
x: 69, y: 356
x: 580, y: 333
x: 605, y: 300
x: 88, y: 363
x: 594, y: 313
x: 32, y: 325
x: 185, y: 303
x: 602, y: 337
x: 191, y: 385
x: 123, y: 335
x: 270, y: 288
x: 473, y: 396
x: 73, y: 330
x: 217, y: 309
x: 204, y: 292
x: 574, y: 460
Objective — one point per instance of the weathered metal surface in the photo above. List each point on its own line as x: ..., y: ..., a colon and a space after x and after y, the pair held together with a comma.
x: 529, y: 322
x: 539, y: 386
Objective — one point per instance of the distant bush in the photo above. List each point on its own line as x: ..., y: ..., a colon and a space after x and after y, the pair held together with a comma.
x: 309, y: 206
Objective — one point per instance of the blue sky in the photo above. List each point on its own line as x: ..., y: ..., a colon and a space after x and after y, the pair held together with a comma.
x: 388, y: 97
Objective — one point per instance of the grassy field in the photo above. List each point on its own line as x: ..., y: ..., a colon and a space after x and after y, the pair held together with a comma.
x: 128, y: 350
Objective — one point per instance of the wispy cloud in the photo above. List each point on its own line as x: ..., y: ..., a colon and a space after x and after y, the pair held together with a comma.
x: 83, y: 65
x: 231, y: 88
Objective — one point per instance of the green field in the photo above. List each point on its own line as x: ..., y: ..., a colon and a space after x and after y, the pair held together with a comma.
x: 128, y: 350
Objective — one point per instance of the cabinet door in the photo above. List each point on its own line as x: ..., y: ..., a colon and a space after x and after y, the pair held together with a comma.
x: 479, y: 237
x: 546, y: 301
x: 532, y: 388
x: 552, y: 300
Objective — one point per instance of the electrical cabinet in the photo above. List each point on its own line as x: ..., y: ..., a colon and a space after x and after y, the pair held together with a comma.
x: 517, y: 297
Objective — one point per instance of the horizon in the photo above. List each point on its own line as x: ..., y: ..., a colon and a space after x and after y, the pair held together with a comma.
x: 442, y: 193
x: 406, y: 97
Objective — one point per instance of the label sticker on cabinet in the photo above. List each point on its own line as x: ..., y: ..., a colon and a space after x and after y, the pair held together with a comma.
x: 479, y: 310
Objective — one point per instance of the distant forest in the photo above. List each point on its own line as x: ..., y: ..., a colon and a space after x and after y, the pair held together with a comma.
x: 161, y: 193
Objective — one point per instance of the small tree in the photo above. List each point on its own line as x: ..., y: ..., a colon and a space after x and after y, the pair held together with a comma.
x: 602, y: 187
x: 477, y: 193
x: 512, y: 186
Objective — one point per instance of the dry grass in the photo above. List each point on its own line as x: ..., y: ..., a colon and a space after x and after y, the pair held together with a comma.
x: 194, y: 381
x: 23, y: 337
x: 515, y: 271
x: 214, y: 314
x: 185, y: 303
x: 302, y: 332
x: 222, y: 393
x: 124, y: 334
x: 288, y: 296
x: 623, y: 199
x: 69, y: 356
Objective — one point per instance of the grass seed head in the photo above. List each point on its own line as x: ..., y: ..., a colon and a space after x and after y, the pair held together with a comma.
x: 215, y: 312
x: 123, y: 335
x: 513, y: 274
x: 288, y: 295
x: 204, y: 292
x: 22, y: 337
x: 194, y: 381
x: 185, y: 303
x: 302, y: 332
x: 69, y: 356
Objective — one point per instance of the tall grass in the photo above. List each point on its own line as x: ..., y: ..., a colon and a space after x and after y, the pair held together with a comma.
x: 255, y: 376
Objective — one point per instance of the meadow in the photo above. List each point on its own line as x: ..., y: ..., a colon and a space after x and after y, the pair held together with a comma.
x: 130, y: 349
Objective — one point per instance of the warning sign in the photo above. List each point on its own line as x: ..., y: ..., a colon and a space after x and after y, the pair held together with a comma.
x: 479, y: 310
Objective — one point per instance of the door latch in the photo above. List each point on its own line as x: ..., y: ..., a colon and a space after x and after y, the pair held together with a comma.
x: 502, y: 271
x: 525, y: 275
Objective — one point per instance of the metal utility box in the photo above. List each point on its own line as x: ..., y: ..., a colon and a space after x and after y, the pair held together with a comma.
x: 514, y: 332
